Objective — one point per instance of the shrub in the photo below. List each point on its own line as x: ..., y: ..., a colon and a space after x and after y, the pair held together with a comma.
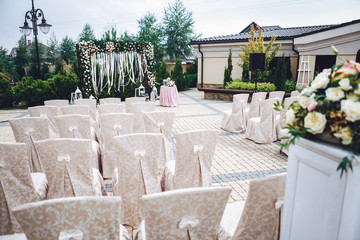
x: 191, y: 74
x: 228, y: 70
x: 6, y: 95
x: 191, y: 80
x: 262, y: 87
x: 178, y: 76
x: 290, y: 85
x: 63, y: 85
x: 281, y: 72
x: 161, y: 74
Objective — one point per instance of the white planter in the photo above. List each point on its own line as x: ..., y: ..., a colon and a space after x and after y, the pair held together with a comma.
x: 318, y: 204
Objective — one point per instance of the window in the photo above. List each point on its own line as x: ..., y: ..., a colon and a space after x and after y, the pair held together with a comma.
x: 324, y: 61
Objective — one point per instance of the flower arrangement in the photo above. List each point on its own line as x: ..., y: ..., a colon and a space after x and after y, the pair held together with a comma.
x: 329, y: 106
x: 170, y: 83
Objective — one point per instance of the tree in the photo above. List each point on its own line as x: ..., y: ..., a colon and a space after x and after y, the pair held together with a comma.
x: 33, y: 60
x: 150, y: 31
x: 281, y: 72
x: 52, y: 54
x: 256, y: 45
x: 178, y: 76
x: 110, y: 34
x: 178, y: 30
x: 228, y: 70
x: 68, y: 50
x: 6, y: 66
x: 21, y: 59
x: 191, y: 73
x: 161, y: 74
x: 87, y: 33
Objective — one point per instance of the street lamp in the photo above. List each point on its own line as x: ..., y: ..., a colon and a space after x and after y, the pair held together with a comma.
x: 33, y: 15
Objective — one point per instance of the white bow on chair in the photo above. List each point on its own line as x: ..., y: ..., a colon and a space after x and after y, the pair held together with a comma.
x: 187, y: 222
x: 117, y: 128
x: 28, y: 132
x: 65, y: 158
x: 71, y: 235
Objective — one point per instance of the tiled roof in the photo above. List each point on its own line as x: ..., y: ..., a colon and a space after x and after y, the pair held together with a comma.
x: 269, y: 31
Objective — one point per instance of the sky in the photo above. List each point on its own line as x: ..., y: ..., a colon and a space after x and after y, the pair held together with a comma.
x: 212, y: 17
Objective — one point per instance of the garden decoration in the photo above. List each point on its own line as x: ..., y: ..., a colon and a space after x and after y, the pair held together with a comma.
x: 330, y: 108
x: 110, y: 66
x: 170, y: 83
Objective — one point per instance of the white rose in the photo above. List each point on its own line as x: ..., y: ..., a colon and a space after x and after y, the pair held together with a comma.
x: 353, y: 97
x: 303, y: 100
x: 321, y: 81
x: 351, y: 110
x: 315, y: 121
x: 306, y: 90
x: 345, y: 135
x: 334, y: 94
x: 290, y: 116
x: 357, y: 91
x: 345, y: 84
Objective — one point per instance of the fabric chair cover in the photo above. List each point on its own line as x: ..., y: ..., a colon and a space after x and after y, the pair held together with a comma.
x: 136, y: 171
x: 110, y: 100
x: 68, y: 168
x: 111, y: 125
x: 91, y: 103
x: 57, y: 103
x: 263, y: 129
x: 75, y: 109
x: 281, y: 121
x: 130, y: 100
x: 257, y: 102
x: 16, y: 184
x: 277, y: 94
x: 137, y: 109
x: 72, y: 218
x: 235, y: 120
x: 260, y: 216
x: 46, y: 111
x: 78, y: 126
x: 16, y: 236
x: 30, y: 129
x: 161, y: 122
x: 192, y: 167
x: 110, y: 108
x: 295, y: 93
x: 192, y: 213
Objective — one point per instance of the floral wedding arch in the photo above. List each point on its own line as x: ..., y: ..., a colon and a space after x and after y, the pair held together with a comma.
x: 110, y: 66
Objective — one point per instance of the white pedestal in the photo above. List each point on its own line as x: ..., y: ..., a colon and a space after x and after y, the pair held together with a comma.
x: 318, y: 204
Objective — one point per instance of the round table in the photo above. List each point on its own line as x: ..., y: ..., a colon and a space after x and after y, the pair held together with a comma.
x: 169, y: 96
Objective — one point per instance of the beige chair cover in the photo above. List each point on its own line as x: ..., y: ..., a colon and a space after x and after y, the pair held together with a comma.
x: 78, y: 126
x: 137, y: 109
x: 30, y: 129
x: 16, y: 184
x: 295, y: 93
x: 263, y: 129
x: 130, y: 100
x: 260, y: 216
x: 192, y: 167
x: 72, y: 218
x: 281, y: 121
x: 136, y: 171
x: 234, y: 120
x: 110, y: 108
x: 57, y: 103
x: 68, y: 168
x: 277, y: 94
x: 110, y: 100
x: 192, y: 213
x: 46, y: 111
x: 257, y: 102
x: 161, y: 122
x: 111, y: 125
x: 16, y: 236
x: 75, y: 109
x: 91, y: 103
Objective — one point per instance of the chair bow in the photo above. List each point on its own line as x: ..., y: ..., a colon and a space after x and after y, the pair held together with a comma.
x: 117, y: 126
x: 65, y: 158
x: 71, y: 234
x: 2, y: 166
x: 73, y: 128
x: 43, y: 115
x: 161, y: 124
x: 198, y: 148
x: 139, y: 153
x: 279, y: 203
x: 188, y: 221
x: 28, y: 132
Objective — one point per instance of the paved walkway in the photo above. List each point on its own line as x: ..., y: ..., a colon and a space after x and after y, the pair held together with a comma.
x: 236, y: 161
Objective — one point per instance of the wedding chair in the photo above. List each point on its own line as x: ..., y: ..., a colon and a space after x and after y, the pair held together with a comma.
x: 295, y: 93
x: 161, y: 122
x: 110, y: 108
x: 256, y: 104
x: 27, y: 130
x: 137, y: 109
x: 57, y: 103
x: 277, y: 94
x: 234, y: 120
x: 192, y: 213
x: 192, y: 167
x: 78, y: 126
x: 72, y: 218
x: 130, y: 100
x: 75, y: 109
x: 112, y: 124
x: 46, y: 111
x: 91, y: 103
x: 136, y: 171
x: 68, y: 169
x: 281, y: 120
x: 17, y: 184
x: 110, y: 100
x: 259, y: 216
x: 263, y: 129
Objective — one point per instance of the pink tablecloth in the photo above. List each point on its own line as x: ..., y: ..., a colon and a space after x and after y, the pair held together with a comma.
x: 169, y: 96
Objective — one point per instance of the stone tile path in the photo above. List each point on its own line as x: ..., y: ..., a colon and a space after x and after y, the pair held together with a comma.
x: 236, y: 161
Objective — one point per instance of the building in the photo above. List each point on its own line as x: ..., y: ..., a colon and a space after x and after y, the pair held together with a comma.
x: 309, y: 49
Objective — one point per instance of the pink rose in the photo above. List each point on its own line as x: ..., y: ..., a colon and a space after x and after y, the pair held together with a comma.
x: 352, y: 65
x: 327, y: 71
x: 311, y: 104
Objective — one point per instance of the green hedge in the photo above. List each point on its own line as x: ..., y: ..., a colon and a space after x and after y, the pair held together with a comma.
x: 6, y: 95
x: 289, y: 85
x: 239, y: 85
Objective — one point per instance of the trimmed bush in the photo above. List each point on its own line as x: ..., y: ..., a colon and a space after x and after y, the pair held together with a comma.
x: 161, y: 75
x: 63, y: 85
x: 178, y: 76
x: 289, y: 85
x: 6, y: 95
x: 239, y: 85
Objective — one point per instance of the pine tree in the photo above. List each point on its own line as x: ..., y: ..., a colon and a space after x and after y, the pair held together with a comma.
x: 68, y: 50
x: 21, y: 59
x: 87, y: 33
x: 228, y: 70
x: 161, y: 74
x: 178, y: 76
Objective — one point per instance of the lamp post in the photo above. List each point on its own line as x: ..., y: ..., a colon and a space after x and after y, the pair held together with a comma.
x: 33, y: 16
